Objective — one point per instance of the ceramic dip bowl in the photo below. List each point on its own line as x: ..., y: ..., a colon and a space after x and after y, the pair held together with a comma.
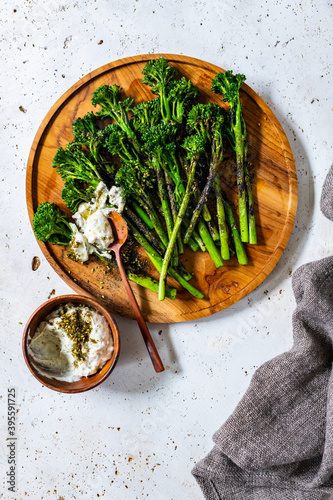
x: 84, y: 383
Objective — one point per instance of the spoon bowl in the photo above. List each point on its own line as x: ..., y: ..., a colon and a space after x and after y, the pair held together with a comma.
x: 120, y: 233
x: 120, y: 230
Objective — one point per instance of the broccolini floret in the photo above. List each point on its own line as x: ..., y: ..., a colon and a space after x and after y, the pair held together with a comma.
x: 50, y: 225
x: 159, y: 140
x: 174, y: 94
x: 228, y: 85
x: 74, y: 194
x: 73, y: 164
x: 88, y: 134
x: 181, y: 95
x: 159, y: 144
x: 146, y: 114
x: 85, y: 128
x: 135, y: 179
x: 117, y: 143
x: 158, y: 74
x: 107, y: 96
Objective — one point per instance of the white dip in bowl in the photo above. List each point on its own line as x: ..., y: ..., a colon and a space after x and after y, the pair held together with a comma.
x: 73, y: 341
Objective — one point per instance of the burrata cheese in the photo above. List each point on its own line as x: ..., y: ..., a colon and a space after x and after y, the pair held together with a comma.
x: 73, y: 341
x: 79, y: 248
x: 98, y: 231
x: 92, y: 232
x: 116, y: 198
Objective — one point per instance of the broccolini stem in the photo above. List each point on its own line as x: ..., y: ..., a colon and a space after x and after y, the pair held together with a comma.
x: 201, y: 202
x: 214, y: 232
x: 206, y: 213
x: 144, y: 281
x: 243, y: 219
x: 157, y: 261
x: 196, y: 242
x: 210, y: 223
x: 165, y: 208
x: 145, y: 230
x: 205, y: 237
x: 142, y: 214
x: 212, y: 228
x: 196, y: 238
x: 239, y: 149
x: 182, y: 271
x: 190, y: 288
x: 174, y: 212
x: 225, y: 252
x: 164, y: 200
x: 152, y: 284
x: 193, y: 245
x: 176, y: 177
x: 141, y: 239
x: 252, y: 218
x: 210, y: 245
x: 165, y: 108
x: 240, y: 251
x: 148, y: 206
x: 176, y: 228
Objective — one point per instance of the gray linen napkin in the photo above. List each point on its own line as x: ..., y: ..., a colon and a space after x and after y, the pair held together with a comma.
x: 278, y: 443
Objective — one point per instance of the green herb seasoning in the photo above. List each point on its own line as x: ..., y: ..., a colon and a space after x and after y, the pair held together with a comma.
x: 77, y: 325
x: 72, y: 250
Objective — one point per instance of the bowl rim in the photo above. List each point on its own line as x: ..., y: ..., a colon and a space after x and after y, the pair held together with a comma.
x: 48, y: 306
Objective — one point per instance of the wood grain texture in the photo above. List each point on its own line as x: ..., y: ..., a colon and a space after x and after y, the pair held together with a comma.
x: 275, y: 195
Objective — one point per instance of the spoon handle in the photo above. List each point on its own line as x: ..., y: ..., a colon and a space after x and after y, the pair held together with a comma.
x: 154, y: 356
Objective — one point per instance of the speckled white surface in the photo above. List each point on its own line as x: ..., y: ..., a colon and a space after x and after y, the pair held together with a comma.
x: 139, y: 434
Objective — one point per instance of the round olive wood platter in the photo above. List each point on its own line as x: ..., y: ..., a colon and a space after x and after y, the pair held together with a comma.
x: 275, y: 194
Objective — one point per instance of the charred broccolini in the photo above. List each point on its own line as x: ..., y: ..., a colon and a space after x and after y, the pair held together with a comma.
x: 157, y: 151
x: 229, y: 86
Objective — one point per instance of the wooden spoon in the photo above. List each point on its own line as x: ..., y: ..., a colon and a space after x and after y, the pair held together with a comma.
x: 120, y: 232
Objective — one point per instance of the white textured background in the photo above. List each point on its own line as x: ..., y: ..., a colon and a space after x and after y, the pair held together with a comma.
x: 139, y: 434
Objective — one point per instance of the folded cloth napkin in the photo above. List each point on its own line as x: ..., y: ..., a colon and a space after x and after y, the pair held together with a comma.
x: 278, y: 443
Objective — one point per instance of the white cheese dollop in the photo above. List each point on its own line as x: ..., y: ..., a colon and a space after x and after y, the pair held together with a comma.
x: 98, y: 231
x: 79, y: 248
x: 92, y: 230
x: 51, y: 348
x: 116, y: 198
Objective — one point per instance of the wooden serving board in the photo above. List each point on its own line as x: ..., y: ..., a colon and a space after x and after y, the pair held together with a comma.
x: 275, y: 193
